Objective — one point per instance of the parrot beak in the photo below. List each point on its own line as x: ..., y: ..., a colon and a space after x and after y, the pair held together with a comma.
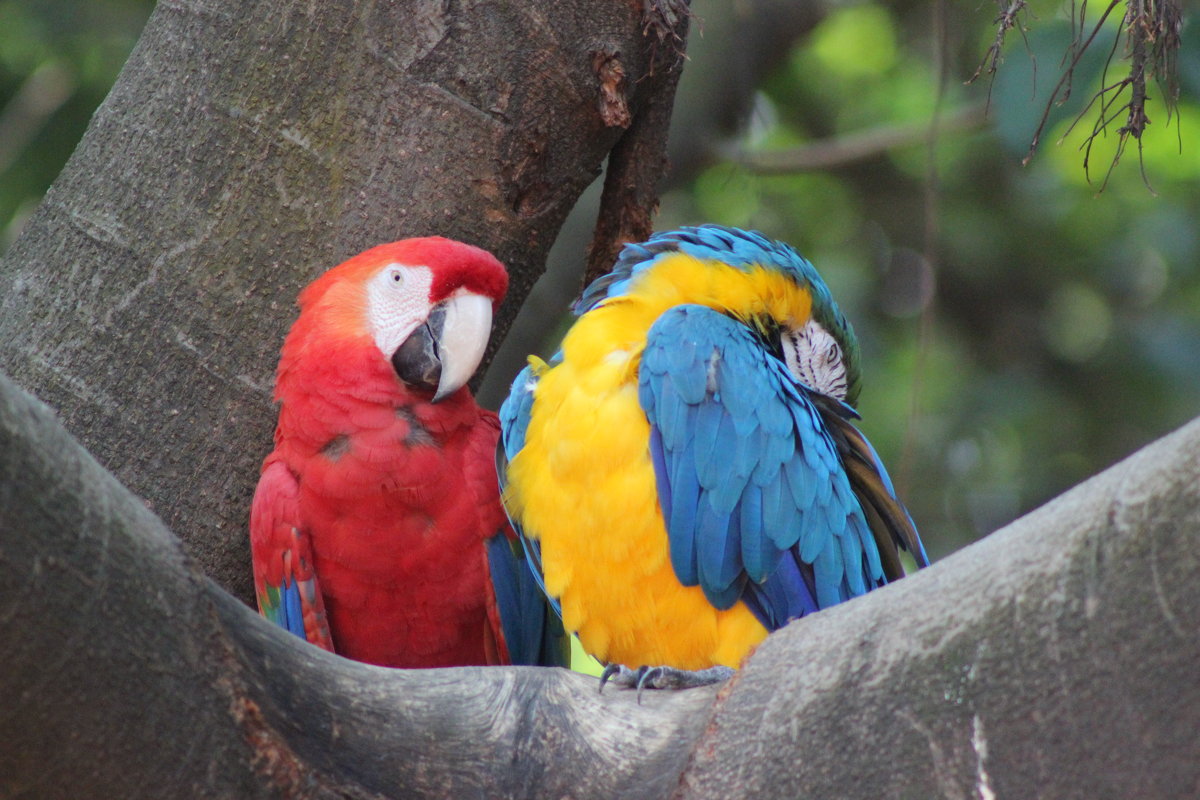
x: 445, y: 350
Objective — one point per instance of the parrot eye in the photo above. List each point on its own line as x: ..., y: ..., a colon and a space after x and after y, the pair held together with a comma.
x: 397, y: 277
x: 833, y: 354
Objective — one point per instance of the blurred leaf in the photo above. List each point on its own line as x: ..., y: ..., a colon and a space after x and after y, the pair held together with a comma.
x: 858, y: 41
x: 58, y: 59
x: 727, y: 195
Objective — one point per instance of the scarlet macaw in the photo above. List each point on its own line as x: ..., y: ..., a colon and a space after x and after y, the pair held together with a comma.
x: 376, y: 529
x: 685, y: 471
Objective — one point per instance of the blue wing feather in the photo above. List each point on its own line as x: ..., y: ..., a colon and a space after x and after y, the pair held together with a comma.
x: 533, y: 632
x: 292, y: 617
x: 756, y: 501
x: 787, y: 596
x: 661, y: 476
x: 759, y: 555
x: 531, y: 619
x: 710, y: 445
x: 718, y: 544
x: 685, y: 502
x: 852, y: 556
x: 514, y: 421
x: 827, y: 569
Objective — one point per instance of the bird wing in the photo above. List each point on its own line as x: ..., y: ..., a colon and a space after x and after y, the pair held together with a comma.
x: 514, y: 421
x: 532, y: 629
x: 284, y: 579
x: 753, y: 488
x: 889, y: 520
x: 530, y: 618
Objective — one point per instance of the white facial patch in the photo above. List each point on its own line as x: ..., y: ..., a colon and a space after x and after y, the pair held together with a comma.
x: 814, y: 358
x: 397, y: 302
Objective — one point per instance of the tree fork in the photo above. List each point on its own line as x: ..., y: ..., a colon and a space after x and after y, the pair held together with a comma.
x: 1055, y: 658
x: 129, y: 674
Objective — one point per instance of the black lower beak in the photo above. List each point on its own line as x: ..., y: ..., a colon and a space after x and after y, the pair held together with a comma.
x: 417, y: 360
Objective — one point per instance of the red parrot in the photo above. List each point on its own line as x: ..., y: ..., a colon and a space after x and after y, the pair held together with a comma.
x: 377, y: 530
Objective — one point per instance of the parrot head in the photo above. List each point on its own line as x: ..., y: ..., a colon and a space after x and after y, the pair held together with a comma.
x: 426, y: 304
x: 819, y: 347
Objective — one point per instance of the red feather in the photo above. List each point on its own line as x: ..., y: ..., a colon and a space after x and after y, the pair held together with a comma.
x: 395, y: 495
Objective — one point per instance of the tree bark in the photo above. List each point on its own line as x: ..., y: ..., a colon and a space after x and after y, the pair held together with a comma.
x: 247, y: 147
x: 1056, y: 658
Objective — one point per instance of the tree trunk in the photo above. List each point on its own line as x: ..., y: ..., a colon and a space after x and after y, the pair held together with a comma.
x: 247, y: 147
x: 1056, y: 658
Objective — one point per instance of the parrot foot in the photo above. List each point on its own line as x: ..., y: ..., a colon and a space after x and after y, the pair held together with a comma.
x: 661, y: 677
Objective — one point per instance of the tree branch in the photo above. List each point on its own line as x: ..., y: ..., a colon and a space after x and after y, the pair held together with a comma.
x: 1055, y: 658
x: 42, y: 94
x: 638, y: 161
x: 858, y: 146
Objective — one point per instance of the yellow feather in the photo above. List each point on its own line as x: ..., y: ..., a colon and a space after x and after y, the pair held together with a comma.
x: 584, y: 483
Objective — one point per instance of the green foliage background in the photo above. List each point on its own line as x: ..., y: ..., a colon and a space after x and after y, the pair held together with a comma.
x: 1062, y: 323
x: 58, y: 59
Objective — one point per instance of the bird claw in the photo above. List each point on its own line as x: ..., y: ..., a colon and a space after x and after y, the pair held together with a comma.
x: 661, y: 677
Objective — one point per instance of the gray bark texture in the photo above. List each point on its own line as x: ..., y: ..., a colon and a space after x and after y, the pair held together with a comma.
x: 1057, y: 658
x: 249, y: 146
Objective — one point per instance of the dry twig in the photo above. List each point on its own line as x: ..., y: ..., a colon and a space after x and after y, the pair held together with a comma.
x: 1150, y: 33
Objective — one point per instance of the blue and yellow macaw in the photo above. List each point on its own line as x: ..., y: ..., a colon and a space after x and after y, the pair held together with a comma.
x: 684, y: 471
